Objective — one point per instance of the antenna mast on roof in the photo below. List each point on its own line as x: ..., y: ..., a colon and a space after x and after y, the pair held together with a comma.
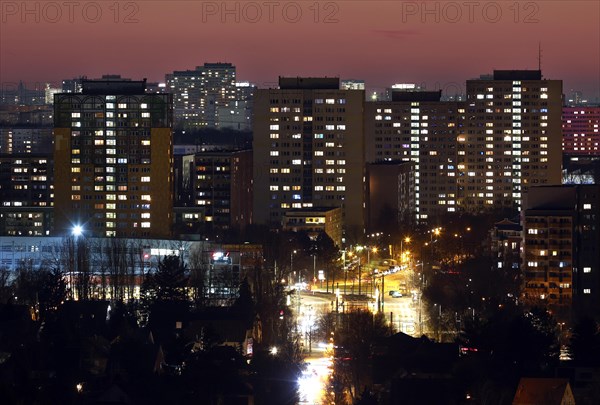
x: 540, y: 56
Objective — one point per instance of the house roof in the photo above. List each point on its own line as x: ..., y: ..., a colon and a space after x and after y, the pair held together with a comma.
x: 542, y: 391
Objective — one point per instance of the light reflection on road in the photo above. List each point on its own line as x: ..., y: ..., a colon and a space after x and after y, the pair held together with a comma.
x: 314, y: 381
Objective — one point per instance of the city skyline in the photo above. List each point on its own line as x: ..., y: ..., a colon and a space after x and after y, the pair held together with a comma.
x: 436, y: 44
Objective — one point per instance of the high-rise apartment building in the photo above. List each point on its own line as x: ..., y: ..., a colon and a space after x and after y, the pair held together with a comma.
x: 511, y: 139
x: 113, y: 160
x: 236, y: 114
x: 26, y: 194
x: 198, y: 93
x: 561, y: 255
x: 415, y: 126
x: 309, y: 150
x: 220, y: 182
x: 581, y: 131
x: 15, y: 139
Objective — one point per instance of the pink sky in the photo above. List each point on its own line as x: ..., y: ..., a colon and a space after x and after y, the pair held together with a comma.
x: 437, y: 43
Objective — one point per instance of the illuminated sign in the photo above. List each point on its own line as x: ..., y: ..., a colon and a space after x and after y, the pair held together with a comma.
x: 221, y: 258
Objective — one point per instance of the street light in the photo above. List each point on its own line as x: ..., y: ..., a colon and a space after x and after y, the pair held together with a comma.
x: 77, y: 230
x: 406, y: 240
x: 75, y: 259
x: 345, y: 269
x: 360, y: 248
x: 292, y: 253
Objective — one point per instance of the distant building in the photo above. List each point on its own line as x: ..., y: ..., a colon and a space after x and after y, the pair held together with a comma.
x: 415, y: 126
x: 236, y: 115
x: 20, y: 94
x: 352, y: 84
x: 15, y: 139
x: 314, y: 221
x: 113, y: 160
x: 581, y: 131
x: 198, y: 94
x: 26, y: 194
x: 35, y: 115
x: 220, y: 182
x: 561, y: 259
x: 74, y: 85
x: 398, y: 87
x: 49, y: 93
x: 309, y: 150
x: 506, y: 241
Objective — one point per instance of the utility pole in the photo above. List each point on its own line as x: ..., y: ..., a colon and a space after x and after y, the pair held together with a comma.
x: 382, y: 292
x: 359, y: 276
x: 345, y: 271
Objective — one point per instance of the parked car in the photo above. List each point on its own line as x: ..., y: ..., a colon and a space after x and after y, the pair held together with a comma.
x: 395, y: 294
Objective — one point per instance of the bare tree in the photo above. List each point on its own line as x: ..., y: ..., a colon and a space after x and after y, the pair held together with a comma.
x: 75, y: 259
x: 5, y: 285
x: 197, y: 265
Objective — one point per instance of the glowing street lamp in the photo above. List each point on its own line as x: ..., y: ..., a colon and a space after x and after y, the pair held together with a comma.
x: 404, y: 240
x: 77, y: 230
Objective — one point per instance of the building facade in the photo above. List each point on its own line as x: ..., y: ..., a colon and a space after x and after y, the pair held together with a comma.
x: 314, y: 221
x: 113, y: 160
x: 417, y: 127
x: 581, y: 131
x: 308, y: 150
x: 25, y: 140
x: 511, y: 139
x: 26, y: 194
x: 198, y: 93
x: 218, y: 185
x: 561, y: 258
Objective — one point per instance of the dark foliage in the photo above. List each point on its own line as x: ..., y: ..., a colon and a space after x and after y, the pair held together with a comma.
x: 584, y: 347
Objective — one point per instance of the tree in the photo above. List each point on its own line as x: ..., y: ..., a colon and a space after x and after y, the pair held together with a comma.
x: 168, y: 283
x: 327, y: 253
x: 76, y: 260
x: 52, y: 291
x: 584, y: 347
x: 5, y: 287
x: 355, y: 337
x: 197, y: 280
x: 507, y: 345
x: 244, y: 303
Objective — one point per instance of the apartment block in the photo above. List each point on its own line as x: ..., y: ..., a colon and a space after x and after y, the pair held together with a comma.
x: 113, y: 160
x: 309, y: 150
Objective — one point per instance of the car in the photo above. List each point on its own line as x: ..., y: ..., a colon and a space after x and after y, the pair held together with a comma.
x: 395, y: 294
